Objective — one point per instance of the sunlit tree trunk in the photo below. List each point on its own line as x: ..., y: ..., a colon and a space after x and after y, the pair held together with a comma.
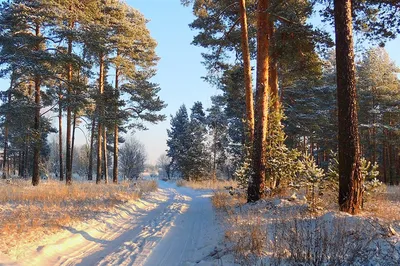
x: 350, y: 179
x: 36, y: 127
x: 90, y: 167
x: 273, y: 74
x: 99, y: 122
x: 60, y: 138
x: 115, y: 160
x: 6, y: 169
x: 105, y: 155
x: 247, y: 70
x: 73, y: 139
x: 257, y: 181
x: 68, y: 155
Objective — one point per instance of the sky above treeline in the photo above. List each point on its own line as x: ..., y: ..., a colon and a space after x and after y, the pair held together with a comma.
x: 180, y: 69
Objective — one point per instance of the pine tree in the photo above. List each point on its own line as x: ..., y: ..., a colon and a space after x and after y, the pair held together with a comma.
x: 247, y: 69
x: 25, y: 46
x: 257, y: 180
x: 197, y: 160
x: 178, y: 141
x: 218, y: 131
x: 350, y: 179
x: 379, y: 96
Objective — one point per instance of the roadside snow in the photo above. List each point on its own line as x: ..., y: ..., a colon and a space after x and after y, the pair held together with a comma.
x: 173, y: 226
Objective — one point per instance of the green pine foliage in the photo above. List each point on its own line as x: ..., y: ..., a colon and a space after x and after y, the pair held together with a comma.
x: 59, y: 46
x: 186, y: 143
x: 369, y: 173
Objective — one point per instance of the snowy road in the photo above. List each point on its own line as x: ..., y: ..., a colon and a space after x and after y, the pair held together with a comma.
x: 174, y: 226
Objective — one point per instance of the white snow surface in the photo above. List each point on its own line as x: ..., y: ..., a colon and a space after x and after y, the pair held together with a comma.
x: 172, y: 226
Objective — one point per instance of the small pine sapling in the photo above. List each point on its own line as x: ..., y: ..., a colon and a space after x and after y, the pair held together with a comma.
x: 311, y: 177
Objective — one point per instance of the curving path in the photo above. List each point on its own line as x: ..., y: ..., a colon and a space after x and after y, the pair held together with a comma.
x: 174, y: 226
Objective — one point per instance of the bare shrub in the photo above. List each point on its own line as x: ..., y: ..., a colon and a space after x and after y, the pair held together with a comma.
x: 329, y: 240
x: 282, y: 232
x: 248, y: 240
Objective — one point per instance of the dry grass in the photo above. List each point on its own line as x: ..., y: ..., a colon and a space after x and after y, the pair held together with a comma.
x: 51, y: 205
x: 248, y: 238
x: 276, y: 231
x: 385, y: 205
x: 207, y: 184
x: 223, y: 201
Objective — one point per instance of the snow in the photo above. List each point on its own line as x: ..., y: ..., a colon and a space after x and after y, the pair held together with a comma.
x: 173, y: 226
x: 178, y: 226
x: 288, y: 231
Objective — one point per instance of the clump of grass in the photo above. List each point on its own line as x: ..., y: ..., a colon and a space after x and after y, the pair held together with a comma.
x: 226, y: 202
x: 248, y: 238
x: 385, y: 204
x: 52, y: 204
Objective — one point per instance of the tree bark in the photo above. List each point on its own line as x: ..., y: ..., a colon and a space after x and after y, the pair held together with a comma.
x: 384, y: 158
x: 68, y: 163
x: 373, y: 130
x: 73, y: 139
x: 247, y: 70
x: 390, y: 153
x: 273, y: 73
x: 36, y: 127
x: 25, y: 159
x: 257, y: 181
x: 105, y: 155
x: 115, y: 160
x: 60, y: 141
x: 37, y: 138
x: 90, y: 167
x: 350, y: 179
x: 20, y: 154
x: 99, y: 122
x: 6, y: 172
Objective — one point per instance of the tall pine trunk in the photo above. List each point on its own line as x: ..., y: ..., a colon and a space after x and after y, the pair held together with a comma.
x: 115, y: 160
x: 25, y: 158
x: 36, y: 127
x: 100, y: 122
x: 73, y: 139
x: 273, y: 74
x: 60, y: 141
x: 20, y: 160
x: 257, y: 181
x: 373, y: 130
x: 350, y: 179
x: 247, y: 70
x: 90, y: 167
x: 68, y: 163
x: 105, y: 155
x: 6, y: 168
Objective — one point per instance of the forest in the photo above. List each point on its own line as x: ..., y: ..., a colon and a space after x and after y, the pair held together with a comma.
x: 295, y: 160
x: 89, y: 63
x: 320, y: 113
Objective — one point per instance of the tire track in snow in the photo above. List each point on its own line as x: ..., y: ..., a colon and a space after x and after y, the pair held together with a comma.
x: 138, y: 244
x: 175, y: 226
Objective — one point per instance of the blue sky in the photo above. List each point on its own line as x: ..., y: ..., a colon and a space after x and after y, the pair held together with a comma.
x: 180, y: 69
